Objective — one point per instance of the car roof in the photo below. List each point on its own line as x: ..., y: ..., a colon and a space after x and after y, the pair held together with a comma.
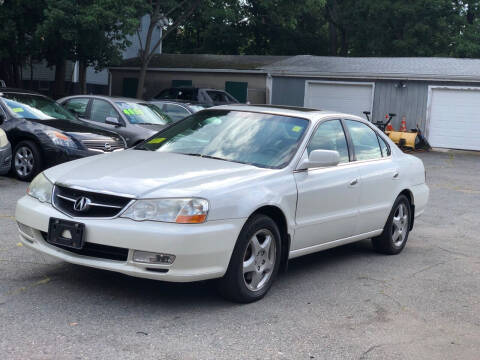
x: 307, y: 113
x: 178, y: 101
x: 19, y: 91
x: 104, y: 97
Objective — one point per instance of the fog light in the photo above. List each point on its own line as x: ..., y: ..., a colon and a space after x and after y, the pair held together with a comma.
x: 153, y: 258
x: 27, y: 230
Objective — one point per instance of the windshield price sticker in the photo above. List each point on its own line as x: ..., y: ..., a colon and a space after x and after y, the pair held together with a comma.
x: 17, y: 110
x: 297, y: 128
x: 133, y: 111
x: 157, y: 140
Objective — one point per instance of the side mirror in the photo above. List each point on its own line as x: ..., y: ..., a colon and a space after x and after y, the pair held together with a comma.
x: 111, y: 120
x: 320, y: 158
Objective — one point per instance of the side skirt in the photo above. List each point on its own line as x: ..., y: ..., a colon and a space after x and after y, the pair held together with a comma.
x: 332, y: 244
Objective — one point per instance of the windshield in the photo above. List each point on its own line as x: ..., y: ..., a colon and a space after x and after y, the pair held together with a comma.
x: 35, y: 107
x: 138, y: 113
x: 196, y: 108
x: 262, y: 140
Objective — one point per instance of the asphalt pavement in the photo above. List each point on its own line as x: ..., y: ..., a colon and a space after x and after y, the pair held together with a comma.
x: 345, y: 303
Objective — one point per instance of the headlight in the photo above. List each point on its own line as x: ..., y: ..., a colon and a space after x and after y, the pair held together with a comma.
x: 41, y: 188
x: 181, y: 211
x: 61, y: 139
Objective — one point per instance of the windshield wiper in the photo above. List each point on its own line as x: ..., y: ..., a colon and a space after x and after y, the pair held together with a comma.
x: 215, y: 158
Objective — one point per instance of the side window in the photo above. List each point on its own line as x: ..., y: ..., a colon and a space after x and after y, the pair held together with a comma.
x: 330, y: 136
x: 365, y: 141
x: 384, y: 147
x: 101, y: 110
x: 77, y: 106
x: 167, y: 94
x: 175, y: 112
x: 186, y: 94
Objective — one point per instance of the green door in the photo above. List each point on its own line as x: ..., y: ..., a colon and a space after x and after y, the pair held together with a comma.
x: 181, y: 83
x: 237, y: 89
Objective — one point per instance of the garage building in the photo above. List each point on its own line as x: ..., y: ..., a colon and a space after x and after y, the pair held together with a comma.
x: 241, y: 75
x: 440, y: 95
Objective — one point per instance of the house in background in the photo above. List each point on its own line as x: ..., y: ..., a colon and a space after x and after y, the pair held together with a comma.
x: 41, y: 78
x: 440, y: 95
x: 240, y: 75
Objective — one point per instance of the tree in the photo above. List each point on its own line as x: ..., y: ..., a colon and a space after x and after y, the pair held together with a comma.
x: 216, y: 27
x: 92, y: 32
x: 18, y: 21
x: 161, y: 13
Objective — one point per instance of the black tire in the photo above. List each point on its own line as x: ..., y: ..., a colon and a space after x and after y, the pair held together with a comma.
x: 235, y: 285
x: 35, y: 166
x: 387, y: 243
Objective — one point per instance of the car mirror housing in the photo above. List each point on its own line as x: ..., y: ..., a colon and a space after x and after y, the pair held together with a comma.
x: 320, y: 158
x: 111, y: 120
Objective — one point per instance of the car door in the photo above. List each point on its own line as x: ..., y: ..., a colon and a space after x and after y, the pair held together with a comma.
x: 327, y: 205
x: 377, y: 175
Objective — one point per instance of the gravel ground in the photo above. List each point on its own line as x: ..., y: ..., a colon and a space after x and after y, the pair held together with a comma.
x: 345, y: 303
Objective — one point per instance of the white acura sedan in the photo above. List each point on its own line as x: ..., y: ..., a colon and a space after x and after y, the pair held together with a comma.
x: 231, y: 193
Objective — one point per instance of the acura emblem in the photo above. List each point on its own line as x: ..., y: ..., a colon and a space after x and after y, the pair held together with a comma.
x: 82, y: 204
x: 107, y: 147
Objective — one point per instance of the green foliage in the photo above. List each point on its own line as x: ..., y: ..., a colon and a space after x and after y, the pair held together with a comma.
x: 18, y: 22
x: 92, y: 31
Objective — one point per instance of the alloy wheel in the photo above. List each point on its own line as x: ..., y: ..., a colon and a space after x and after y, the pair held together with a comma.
x: 259, y: 260
x: 24, y: 161
x: 400, y: 225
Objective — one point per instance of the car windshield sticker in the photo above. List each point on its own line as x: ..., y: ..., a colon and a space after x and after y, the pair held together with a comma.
x: 133, y: 111
x: 17, y: 110
x: 157, y: 141
x: 297, y: 128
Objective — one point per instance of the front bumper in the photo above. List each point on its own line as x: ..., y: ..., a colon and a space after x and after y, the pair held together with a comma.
x: 5, y: 159
x: 202, y: 251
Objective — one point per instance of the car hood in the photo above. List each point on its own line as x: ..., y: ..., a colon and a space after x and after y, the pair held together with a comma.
x: 148, y: 174
x: 78, y: 129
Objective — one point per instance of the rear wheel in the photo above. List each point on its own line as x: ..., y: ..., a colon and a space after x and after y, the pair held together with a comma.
x: 26, y: 160
x: 395, y: 234
x: 255, y: 261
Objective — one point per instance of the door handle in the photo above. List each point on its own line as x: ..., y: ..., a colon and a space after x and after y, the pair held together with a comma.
x: 354, y: 182
x: 396, y: 174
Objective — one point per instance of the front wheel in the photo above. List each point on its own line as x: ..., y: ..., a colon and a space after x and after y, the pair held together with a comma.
x: 255, y: 261
x: 26, y: 160
x: 395, y: 234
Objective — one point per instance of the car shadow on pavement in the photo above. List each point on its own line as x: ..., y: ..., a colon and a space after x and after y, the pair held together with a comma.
x: 122, y: 290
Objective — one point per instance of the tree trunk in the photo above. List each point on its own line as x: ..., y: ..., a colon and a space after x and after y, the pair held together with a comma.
x: 332, y: 30
x: 343, y: 49
x: 141, y: 80
x: 60, y: 70
x: 31, y: 73
x: 82, y: 76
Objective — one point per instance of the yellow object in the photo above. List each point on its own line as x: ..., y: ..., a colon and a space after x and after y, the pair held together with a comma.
x: 402, y: 138
x: 297, y: 128
x: 157, y: 141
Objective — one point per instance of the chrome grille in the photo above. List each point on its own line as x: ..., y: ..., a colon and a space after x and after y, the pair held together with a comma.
x: 104, y: 145
x: 79, y: 203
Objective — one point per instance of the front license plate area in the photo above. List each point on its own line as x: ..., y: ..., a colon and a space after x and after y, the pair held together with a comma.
x: 66, y: 233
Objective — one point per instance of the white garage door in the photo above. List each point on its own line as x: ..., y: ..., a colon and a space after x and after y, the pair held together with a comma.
x: 350, y: 98
x: 454, y: 118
